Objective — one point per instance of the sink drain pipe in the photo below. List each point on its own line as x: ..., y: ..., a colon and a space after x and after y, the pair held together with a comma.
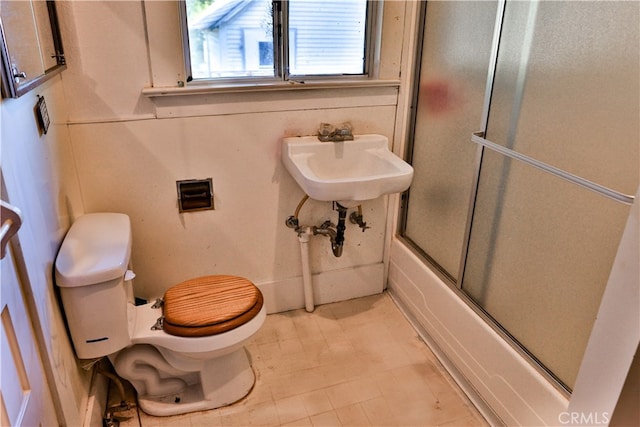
x: 328, y: 229
x: 303, y: 237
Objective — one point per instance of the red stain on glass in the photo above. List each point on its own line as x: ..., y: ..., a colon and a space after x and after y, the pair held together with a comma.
x: 438, y: 97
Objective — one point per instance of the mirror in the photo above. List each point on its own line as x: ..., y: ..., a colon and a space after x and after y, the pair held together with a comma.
x: 31, y: 45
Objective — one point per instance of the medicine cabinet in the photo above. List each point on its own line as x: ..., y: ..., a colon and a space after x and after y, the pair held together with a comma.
x: 31, y: 46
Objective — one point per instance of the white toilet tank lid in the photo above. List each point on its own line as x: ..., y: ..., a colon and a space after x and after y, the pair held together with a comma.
x: 96, y: 249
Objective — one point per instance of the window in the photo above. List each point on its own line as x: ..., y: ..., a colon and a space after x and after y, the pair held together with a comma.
x: 264, y: 40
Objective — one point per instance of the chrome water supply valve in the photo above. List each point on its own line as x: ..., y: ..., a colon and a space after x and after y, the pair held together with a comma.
x: 335, y: 233
x: 356, y: 218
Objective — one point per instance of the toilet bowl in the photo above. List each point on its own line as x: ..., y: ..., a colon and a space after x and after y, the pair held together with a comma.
x: 182, y: 353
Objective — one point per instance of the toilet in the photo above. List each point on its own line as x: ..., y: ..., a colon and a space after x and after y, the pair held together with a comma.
x: 182, y: 353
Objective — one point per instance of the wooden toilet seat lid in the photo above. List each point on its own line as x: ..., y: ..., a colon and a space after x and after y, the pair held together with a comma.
x: 210, y: 305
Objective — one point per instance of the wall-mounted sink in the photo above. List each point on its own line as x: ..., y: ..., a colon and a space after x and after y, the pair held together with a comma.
x: 346, y: 171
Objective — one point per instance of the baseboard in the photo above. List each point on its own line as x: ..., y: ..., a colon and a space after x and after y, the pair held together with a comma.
x: 328, y: 286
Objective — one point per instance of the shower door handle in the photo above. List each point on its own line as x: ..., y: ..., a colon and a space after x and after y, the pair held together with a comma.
x: 479, y: 138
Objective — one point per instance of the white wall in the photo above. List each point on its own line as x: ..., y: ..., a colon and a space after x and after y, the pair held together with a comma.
x: 41, y: 181
x: 131, y: 149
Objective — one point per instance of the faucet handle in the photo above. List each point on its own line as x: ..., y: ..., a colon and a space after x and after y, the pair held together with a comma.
x: 326, y: 132
x: 344, y: 132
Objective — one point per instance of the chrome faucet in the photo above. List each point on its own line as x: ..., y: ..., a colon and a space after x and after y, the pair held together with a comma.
x: 327, y: 132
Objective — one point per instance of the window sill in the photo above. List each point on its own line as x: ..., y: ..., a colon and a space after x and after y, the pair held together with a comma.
x: 205, y: 89
x: 208, y: 100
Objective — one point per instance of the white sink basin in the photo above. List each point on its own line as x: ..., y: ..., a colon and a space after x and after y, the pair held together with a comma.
x: 346, y: 171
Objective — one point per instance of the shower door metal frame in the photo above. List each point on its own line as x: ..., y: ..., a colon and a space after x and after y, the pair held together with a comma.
x: 484, y: 120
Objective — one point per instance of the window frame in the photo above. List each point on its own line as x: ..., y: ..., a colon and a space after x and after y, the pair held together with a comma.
x: 281, y: 41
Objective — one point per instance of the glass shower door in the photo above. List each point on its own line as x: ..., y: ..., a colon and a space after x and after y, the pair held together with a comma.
x: 561, y: 148
x: 449, y: 103
x: 560, y: 115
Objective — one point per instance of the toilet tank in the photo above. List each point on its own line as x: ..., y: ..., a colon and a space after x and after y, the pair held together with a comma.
x: 90, y: 271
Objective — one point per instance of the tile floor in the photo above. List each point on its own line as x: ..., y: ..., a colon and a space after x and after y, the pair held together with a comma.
x: 352, y: 363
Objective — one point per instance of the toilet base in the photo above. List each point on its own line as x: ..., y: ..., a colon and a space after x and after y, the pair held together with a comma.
x: 222, y: 381
x: 191, y: 400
